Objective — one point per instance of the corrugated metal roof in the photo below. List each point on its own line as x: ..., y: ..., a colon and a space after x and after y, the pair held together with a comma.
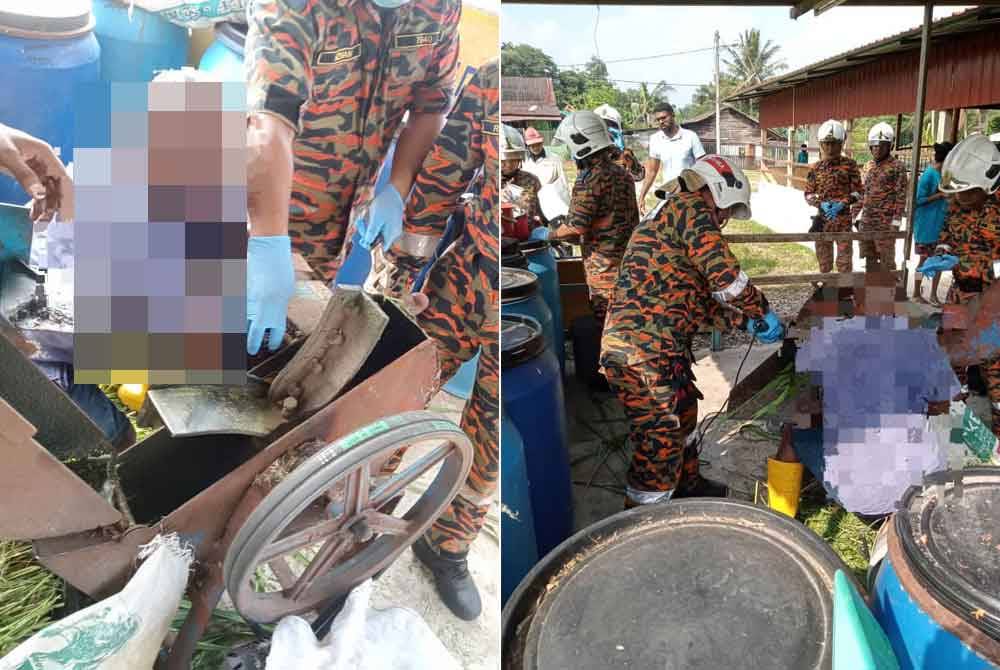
x: 528, y: 98
x: 881, y: 78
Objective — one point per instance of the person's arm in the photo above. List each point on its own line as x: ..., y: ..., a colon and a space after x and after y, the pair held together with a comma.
x: 945, y: 242
x: 278, y: 51
x: 926, y: 189
x: 585, y: 206
x: 35, y: 166
x: 710, y: 253
x: 652, y: 169
x: 635, y: 168
x: 812, y: 197
x: 902, y: 184
x: 428, y: 111
x: 697, y: 150
x: 857, y: 187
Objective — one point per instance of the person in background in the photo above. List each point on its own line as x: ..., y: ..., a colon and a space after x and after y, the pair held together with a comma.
x: 671, y: 149
x: 833, y: 185
x: 928, y: 218
x: 969, y: 245
x: 548, y: 168
x: 518, y: 187
x: 884, y: 200
x: 677, y: 275
x: 459, y: 309
x: 35, y: 166
x: 603, y: 210
x: 624, y: 156
x: 803, y: 156
x: 328, y: 84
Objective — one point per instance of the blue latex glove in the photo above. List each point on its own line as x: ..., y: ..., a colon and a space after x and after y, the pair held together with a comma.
x: 831, y: 208
x: 767, y: 330
x: 270, y: 285
x: 540, y: 233
x: 936, y: 264
x: 384, y: 219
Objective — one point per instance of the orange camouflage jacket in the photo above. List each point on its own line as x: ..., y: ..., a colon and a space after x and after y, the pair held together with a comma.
x: 884, y: 199
x: 974, y: 237
x: 835, y: 179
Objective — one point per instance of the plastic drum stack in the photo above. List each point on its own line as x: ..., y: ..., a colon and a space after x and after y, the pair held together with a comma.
x: 47, y: 49
x: 520, y: 293
x: 937, y: 593
x: 134, y: 47
x: 517, y: 522
x: 532, y: 396
x: 541, y: 261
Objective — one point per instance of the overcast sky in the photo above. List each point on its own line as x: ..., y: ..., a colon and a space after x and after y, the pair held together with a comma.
x: 567, y: 34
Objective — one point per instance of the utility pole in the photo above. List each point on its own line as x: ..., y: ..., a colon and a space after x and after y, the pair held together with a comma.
x: 716, y: 335
x: 718, y: 97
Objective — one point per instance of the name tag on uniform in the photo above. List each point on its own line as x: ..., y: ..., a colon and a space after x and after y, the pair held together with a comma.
x: 417, y: 40
x: 491, y: 128
x: 338, y: 56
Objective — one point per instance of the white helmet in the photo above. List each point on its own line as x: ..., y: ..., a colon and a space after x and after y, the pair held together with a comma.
x: 729, y: 186
x: 512, y: 147
x: 881, y: 132
x: 832, y: 131
x: 584, y: 133
x: 973, y: 163
x: 609, y: 114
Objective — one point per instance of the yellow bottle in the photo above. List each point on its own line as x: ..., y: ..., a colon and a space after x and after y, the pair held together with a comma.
x: 132, y: 395
x: 784, y: 476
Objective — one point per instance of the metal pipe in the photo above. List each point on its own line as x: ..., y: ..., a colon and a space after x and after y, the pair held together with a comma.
x: 918, y: 128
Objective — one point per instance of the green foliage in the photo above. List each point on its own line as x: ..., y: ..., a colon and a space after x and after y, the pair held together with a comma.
x: 994, y: 125
x: 523, y: 60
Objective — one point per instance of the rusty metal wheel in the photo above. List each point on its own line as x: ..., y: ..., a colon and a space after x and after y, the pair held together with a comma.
x: 332, y: 523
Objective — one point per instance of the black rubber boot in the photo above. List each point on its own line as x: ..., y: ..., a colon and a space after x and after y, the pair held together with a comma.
x: 701, y: 487
x: 453, y: 581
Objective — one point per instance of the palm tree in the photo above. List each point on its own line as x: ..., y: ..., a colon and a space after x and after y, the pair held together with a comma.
x: 648, y: 99
x: 749, y: 62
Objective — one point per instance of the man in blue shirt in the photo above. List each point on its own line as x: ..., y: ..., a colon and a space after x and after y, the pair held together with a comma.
x: 928, y: 218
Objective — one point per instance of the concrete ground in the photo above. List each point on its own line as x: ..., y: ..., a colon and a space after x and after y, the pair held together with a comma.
x: 476, y: 644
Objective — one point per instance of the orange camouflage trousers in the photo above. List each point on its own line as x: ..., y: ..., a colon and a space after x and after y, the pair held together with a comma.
x: 989, y: 369
x: 845, y: 250
x: 881, y: 251
x: 464, y: 316
x: 662, y: 426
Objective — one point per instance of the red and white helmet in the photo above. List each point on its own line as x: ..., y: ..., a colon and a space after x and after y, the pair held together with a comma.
x: 532, y: 136
x: 730, y: 188
x: 973, y: 163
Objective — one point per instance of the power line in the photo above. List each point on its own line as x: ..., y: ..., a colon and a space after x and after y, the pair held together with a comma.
x: 652, y: 57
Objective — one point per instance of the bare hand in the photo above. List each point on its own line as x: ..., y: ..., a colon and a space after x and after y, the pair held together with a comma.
x: 38, y: 170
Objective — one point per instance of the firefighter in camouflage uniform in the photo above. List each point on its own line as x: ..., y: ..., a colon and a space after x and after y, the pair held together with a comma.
x: 518, y: 186
x: 460, y: 311
x: 677, y: 275
x: 623, y: 155
x: 969, y: 245
x: 833, y: 185
x: 328, y: 84
x: 603, y: 210
x: 884, y: 201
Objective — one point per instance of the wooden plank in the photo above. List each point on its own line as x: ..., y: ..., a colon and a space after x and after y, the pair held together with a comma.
x: 758, y: 238
x: 828, y: 279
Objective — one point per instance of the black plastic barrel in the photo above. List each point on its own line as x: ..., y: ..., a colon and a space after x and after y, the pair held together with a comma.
x: 707, y: 584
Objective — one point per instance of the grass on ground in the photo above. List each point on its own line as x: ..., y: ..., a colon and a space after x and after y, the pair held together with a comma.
x: 850, y: 537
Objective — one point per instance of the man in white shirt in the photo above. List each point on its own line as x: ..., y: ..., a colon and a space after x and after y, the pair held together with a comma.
x: 671, y: 149
x: 554, y: 194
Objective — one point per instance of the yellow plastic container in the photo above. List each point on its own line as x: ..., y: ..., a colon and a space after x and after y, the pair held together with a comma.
x: 784, y: 484
x: 132, y: 395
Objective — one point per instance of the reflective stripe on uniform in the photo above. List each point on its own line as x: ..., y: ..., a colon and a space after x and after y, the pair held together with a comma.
x: 647, y: 497
x: 733, y: 290
x: 416, y: 244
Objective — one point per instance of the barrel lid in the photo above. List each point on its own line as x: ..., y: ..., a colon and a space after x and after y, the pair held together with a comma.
x: 34, y: 18
x: 521, y: 339
x: 699, y: 584
x: 233, y: 35
x: 510, y: 254
x: 949, y: 530
x: 517, y: 284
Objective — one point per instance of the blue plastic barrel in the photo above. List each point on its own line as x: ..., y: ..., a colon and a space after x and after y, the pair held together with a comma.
x: 135, y: 49
x: 521, y: 293
x: 517, y: 522
x: 358, y: 263
x: 543, y: 263
x: 44, y: 56
x: 532, y: 393
x: 224, y: 56
x: 937, y: 593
